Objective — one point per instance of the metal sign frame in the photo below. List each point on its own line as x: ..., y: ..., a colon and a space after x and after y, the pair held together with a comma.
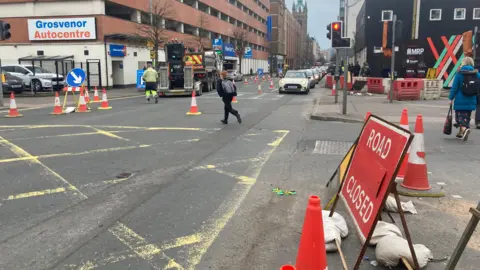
x: 164, y: 81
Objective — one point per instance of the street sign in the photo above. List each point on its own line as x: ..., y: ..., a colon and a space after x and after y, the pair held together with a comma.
x: 140, y: 81
x: 374, y: 165
x: 248, y: 53
x: 260, y: 72
x: 76, y: 77
x: 217, y: 45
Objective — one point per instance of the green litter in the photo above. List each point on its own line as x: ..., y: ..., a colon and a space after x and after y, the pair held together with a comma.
x: 282, y: 192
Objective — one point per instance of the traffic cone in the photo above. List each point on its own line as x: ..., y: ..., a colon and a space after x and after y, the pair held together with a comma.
x: 96, y: 98
x: 234, y: 100
x: 82, y: 105
x: 334, y: 91
x: 13, y: 111
x: 259, y: 89
x: 193, y: 106
x: 245, y: 81
x: 87, y: 96
x: 404, y: 124
x: 263, y: 78
x: 272, y: 86
x: 311, y: 250
x: 57, y: 108
x: 287, y: 267
x: 415, y: 182
x: 104, y: 105
x: 256, y: 79
x: 367, y: 115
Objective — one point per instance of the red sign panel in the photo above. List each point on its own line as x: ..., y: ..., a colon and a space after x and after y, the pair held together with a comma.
x: 372, y: 169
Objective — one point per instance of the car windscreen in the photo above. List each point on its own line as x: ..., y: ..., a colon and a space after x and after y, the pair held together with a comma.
x: 298, y: 75
x: 37, y: 69
x: 309, y: 73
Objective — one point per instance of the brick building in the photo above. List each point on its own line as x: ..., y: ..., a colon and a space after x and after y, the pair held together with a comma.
x: 85, y: 30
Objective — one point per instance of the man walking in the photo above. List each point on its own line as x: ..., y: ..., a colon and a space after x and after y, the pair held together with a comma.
x: 150, y: 76
x: 227, y: 90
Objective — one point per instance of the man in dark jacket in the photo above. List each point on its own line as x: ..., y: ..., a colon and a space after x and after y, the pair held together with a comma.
x: 227, y: 90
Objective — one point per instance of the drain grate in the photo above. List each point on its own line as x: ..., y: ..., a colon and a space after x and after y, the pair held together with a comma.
x: 332, y: 147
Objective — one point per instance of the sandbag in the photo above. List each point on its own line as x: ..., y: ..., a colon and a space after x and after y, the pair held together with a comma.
x: 391, y: 206
x: 391, y: 248
x: 334, y: 228
x: 384, y: 229
x: 339, y: 222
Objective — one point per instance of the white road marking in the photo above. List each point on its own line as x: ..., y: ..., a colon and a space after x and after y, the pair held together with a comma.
x: 262, y: 95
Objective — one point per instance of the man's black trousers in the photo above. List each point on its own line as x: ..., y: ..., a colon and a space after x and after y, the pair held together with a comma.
x: 227, y: 100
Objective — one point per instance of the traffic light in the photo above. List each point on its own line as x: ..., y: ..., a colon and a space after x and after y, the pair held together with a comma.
x: 329, y: 29
x: 337, y: 40
x: 4, y: 30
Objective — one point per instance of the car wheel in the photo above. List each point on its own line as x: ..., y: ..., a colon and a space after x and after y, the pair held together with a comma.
x: 199, y: 92
x: 36, y: 86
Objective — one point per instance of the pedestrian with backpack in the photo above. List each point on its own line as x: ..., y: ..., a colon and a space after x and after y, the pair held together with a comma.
x: 227, y: 90
x: 464, y: 91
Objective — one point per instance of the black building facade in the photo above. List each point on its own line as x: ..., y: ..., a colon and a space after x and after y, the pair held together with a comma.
x: 431, y: 36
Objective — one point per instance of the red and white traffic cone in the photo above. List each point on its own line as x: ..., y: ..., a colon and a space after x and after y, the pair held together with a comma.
x: 259, y: 89
x: 415, y: 182
x: 82, y: 104
x: 87, y: 96
x: 234, y: 100
x: 245, y: 82
x: 96, y: 98
x: 403, y: 167
x: 104, y: 105
x: 57, y: 107
x: 272, y: 86
x: 256, y: 79
x: 334, y: 90
x: 13, y: 111
x: 193, y: 106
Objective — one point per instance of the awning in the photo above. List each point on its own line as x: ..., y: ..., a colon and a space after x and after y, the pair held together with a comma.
x: 46, y: 58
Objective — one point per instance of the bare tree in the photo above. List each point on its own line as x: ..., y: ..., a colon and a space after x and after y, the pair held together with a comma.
x: 241, y: 37
x: 202, y: 23
x: 153, y: 28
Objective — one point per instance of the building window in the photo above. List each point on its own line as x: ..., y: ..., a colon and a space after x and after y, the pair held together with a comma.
x: 476, y: 13
x: 387, y: 15
x: 459, y: 14
x: 435, y: 14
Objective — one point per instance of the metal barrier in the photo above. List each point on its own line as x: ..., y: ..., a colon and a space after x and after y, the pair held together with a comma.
x: 188, y: 78
x: 164, y: 82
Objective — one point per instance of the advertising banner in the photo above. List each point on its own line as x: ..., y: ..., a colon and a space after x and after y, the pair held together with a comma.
x: 62, y: 29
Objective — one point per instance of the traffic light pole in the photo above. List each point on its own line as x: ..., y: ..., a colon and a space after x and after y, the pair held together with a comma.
x: 1, y: 84
x: 392, y: 67
x: 345, y: 80
x: 337, y: 74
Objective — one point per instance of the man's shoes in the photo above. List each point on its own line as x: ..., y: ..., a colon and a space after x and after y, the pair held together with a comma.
x: 224, y: 122
x: 239, y: 119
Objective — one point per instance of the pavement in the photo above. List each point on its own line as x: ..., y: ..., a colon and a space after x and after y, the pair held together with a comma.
x: 144, y: 186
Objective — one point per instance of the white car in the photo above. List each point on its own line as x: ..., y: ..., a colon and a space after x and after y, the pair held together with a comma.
x: 295, y: 82
x: 35, y: 77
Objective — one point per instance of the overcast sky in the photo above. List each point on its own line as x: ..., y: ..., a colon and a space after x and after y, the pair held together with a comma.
x: 320, y: 13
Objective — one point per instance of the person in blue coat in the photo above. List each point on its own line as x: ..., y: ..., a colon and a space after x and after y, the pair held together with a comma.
x: 463, y: 104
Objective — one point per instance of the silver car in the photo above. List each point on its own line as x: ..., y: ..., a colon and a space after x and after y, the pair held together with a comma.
x: 235, y: 76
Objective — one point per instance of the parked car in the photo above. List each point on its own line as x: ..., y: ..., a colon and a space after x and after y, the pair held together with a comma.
x: 316, y: 75
x: 234, y: 76
x: 12, y: 84
x: 294, y: 81
x: 36, y: 77
x: 310, y: 77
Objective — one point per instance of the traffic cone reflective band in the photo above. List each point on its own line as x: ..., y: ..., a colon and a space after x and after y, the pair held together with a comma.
x: 96, y: 98
x: 311, y: 250
x: 404, y: 124
x: 104, y: 105
x: 259, y: 89
x: 234, y: 100
x: 272, y: 86
x: 256, y: 79
x: 193, y: 106
x: 57, y: 108
x: 263, y: 78
x: 87, y: 96
x: 334, y: 91
x: 416, y: 175
x: 367, y: 115
x: 13, y: 111
x: 82, y: 105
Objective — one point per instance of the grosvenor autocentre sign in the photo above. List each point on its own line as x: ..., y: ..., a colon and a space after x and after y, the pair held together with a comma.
x: 62, y: 29
x: 377, y: 157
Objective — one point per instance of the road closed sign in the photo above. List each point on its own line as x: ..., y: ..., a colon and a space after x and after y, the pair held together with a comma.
x: 375, y: 162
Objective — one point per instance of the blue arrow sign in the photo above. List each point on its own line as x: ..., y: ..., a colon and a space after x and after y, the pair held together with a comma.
x: 76, y: 77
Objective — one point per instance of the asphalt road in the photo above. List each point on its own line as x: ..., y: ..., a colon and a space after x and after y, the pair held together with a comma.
x: 144, y: 186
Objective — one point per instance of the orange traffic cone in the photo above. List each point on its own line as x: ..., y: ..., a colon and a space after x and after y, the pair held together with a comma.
x: 415, y: 182
x: 104, y: 105
x: 245, y: 82
x: 256, y: 79
x: 13, y: 111
x: 272, y: 86
x: 367, y: 115
x: 311, y: 250
x: 87, y: 96
x: 259, y: 89
x: 287, y: 267
x: 57, y: 108
x: 82, y: 105
x: 334, y: 90
x: 404, y: 124
x: 193, y: 106
x: 96, y: 98
x: 234, y: 100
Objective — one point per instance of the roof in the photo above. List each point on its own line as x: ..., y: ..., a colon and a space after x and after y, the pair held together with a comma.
x: 46, y: 58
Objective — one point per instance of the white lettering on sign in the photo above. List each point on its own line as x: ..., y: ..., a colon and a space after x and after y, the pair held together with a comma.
x: 360, y: 199
x: 62, y: 29
x: 418, y: 51
x: 381, y: 145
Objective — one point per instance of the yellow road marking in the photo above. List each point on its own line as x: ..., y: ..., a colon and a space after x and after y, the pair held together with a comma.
x: 109, y: 134
x: 243, y: 179
x: 227, y: 209
x: 35, y: 194
x: 24, y: 154
x: 55, y: 136
x: 139, y: 245
x: 111, y: 127
x: 225, y: 164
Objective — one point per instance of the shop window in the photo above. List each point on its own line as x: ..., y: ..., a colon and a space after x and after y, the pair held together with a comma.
x: 86, y: 52
x: 459, y: 14
x: 435, y: 14
x: 476, y: 13
x: 387, y: 15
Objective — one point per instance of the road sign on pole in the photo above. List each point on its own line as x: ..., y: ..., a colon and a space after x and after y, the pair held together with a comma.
x: 76, y: 77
